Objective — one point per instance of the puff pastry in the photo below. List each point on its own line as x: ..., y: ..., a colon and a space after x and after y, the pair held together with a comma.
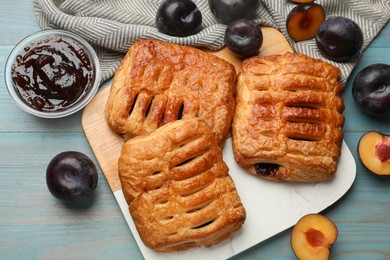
x: 288, y: 120
x: 178, y: 188
x: 159, y: 82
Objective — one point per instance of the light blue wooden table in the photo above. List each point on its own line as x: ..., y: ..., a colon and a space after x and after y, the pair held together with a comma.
x: 34, y: 225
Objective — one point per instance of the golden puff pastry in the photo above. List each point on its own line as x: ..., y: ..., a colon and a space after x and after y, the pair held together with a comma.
x: 288, y: 119
x: 159, y: 82
x: 178, y: 188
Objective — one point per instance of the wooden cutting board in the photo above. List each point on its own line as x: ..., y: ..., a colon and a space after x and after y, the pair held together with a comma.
x: 106, y: 144
x: 271, y: 207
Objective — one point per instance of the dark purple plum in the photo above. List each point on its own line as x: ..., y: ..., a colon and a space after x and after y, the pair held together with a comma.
x: 227, y: 11
x: 371, y: 89
x: 244, y: 37
x: 339, y: 38
x: 71, y: 176
x: 178, y: 18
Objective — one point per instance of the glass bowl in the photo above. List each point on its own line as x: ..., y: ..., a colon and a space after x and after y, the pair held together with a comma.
x: 52, y: 73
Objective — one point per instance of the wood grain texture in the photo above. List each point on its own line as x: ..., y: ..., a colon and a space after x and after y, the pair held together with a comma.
x: 105, y: 143
x: 33, y: 225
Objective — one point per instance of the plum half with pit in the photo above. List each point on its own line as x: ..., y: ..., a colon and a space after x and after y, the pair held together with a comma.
x: 339, y: 38
x: 313, y: 236
x: 371, y: 89
x: 178, y: 18
x: 71, y: 176
x: 244, y: 38
x: 227, y: 11
x: 374, y: 152
x: 304, y: 20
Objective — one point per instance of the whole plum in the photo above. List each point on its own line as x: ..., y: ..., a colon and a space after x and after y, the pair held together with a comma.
x: 339, y: 38
x: 227, y: 11
x: 178, y: 18
x: 71, y: 176
x: 244, y: 37
x: 371, y: 89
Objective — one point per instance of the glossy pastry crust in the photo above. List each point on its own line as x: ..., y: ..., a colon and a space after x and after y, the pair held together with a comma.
x: 178, y: 188
x: 288, y: 120
x: 159, y: 82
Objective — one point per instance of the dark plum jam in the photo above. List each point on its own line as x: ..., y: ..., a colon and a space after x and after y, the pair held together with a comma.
x: 266, y: 169
x: 52, y: 74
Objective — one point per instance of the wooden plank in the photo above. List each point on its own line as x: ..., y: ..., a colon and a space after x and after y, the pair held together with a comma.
x: 33, y: 217
x: 33, y: 225
x: 17, y: 20
x: 105, y: 143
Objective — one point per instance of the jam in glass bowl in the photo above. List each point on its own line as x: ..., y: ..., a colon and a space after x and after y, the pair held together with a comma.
x: 52, y: 73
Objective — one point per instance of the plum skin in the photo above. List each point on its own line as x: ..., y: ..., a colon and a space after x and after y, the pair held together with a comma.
x: 71, y: 176
x: 227, y: 11
x: 178, y: 18
x: 339, y: 38
x: 367, y: 149
x: 244, y: 37
x: 304, y: 20
x: 371, y: 89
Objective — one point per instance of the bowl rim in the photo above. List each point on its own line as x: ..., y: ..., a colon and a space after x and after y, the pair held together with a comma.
x: 17, y: 49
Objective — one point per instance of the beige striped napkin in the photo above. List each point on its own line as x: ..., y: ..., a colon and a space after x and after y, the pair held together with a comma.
x: 111, y: 26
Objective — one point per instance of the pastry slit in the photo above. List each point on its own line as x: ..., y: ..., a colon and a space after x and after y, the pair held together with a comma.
x: 186, y: 161
x: 163, y: 201
x: 205, y: 224
x: 304, y: 105
x: 266, y: 169
x: 149, y: 107
x: 171, y: 234
x: 157, y: 79
x: 181, y: 111
x: 166, y: 218
x: 187, y: 194
x: 305, y: 138
x: 156, y: 173
x: 197, y: 112
x: 133, y: 105
x: 200, y: 207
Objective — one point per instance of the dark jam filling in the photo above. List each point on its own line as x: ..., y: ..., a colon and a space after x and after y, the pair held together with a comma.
x: 266, y: 169
x: 52, y: 74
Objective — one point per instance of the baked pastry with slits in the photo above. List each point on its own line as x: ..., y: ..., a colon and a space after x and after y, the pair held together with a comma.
x: 159, y: 82
x: 178, y: 188
x: 288, y: 120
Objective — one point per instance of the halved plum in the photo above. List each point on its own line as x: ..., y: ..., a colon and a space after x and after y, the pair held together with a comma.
x: 374, y: 152
x: 304, y: 20
x: 313, y: 236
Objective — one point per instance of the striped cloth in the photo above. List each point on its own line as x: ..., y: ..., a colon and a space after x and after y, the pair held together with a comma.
x: 111, y: 26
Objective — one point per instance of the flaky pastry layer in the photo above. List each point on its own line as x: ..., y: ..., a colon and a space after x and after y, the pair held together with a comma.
x: 178, y: 188
x: 159, y: 82
x: 288, y: 119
